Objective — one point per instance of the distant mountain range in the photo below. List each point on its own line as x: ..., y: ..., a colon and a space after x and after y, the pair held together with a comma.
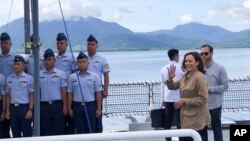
x: 113, y: 37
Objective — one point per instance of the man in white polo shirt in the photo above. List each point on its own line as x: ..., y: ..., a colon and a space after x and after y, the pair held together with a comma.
x: 169, y: 97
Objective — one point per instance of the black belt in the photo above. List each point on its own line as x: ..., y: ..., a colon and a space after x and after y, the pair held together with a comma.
x: 83, y: 103
x: 18, y: 105
x: 51, y: 102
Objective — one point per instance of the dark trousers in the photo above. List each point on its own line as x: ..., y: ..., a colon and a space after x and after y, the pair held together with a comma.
x: 52, y: 118
x: 216, y: 123
x: 171, y: 115
x: 203, y: 133
x: 85, y: 123
x: 1, y: 121
x: 1, y: 129
x: 19, y: 125
x: 6, y: 128
x: 4, y: 125
x: 99, y: 126
x: 69, y: 125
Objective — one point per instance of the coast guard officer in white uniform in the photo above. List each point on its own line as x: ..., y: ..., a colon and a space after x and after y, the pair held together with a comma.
x: 6, y: 68
x: 64, y: 59
x: 88, y: 99
x: 65, y: 62
x: 20, y: 99
x: 2, y: 104
x: 99, y: 65
x: 53, y: 83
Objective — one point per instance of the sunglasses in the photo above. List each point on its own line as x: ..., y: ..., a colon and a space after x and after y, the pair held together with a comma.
x: 204, y: 53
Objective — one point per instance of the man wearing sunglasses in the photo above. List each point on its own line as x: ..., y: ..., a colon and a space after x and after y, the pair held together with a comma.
x: 217, y: 81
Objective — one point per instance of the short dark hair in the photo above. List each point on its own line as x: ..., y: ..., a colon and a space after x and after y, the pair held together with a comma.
x: 197, y: 58
x: 211, y: 49
x: 172, y: 53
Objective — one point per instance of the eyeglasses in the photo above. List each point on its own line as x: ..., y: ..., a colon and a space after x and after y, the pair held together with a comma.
x: 204, y: 53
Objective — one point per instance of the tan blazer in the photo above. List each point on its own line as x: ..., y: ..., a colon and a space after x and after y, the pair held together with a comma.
x: 193, y: 88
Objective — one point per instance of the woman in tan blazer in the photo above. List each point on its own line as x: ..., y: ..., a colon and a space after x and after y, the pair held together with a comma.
x: 194, y: 92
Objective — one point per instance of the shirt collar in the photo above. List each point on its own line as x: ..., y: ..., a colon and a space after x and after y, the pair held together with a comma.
x: 210, y: 64
x: 189, y: 75
x: 9, y: 54
x: 63, y: 55
x: 22, y: 75
x: 93, y: 55
x: 86, y: 73
x: 173, y: 62
x: 53, y: 71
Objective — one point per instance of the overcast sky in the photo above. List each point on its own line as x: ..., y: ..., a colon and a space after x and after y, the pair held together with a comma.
x: 142, y: 15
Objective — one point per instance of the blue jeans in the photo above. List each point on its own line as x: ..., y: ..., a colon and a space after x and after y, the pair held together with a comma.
x: 216, y: 123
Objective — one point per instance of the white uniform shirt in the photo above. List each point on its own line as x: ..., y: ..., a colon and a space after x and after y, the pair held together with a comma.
x: 170, y: 95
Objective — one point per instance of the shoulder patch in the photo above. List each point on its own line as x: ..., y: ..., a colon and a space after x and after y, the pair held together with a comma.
x: 106, y: 66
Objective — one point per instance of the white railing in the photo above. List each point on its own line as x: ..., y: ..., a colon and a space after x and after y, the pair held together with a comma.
x: 146, y: 135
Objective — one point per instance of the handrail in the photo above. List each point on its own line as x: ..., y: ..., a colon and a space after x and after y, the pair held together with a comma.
x: 117, y: 136
x: 139, y: 97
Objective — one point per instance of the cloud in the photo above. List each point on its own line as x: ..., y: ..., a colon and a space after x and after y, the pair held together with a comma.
x: 246, y: 4
x: 235, y: 11
x: 16, y: 11
x: 233, y: 16
x: 117, y: 16
x: 211, y: 13
x: 125, y: 9
x: 50, y: 10
x: 186, y: 18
